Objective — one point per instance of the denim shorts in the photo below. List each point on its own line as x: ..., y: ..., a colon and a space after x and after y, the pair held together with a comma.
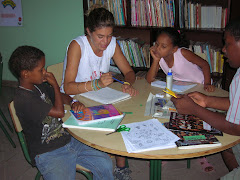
x: 60, y: 164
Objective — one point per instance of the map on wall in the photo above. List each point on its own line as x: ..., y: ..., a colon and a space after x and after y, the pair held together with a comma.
x: 11, y: 13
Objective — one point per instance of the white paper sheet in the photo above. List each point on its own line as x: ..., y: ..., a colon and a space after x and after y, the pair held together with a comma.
x: 178, y: 86
x: 148, y: 135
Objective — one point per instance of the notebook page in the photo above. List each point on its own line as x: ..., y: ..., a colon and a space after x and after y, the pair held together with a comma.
x: 106, y: 95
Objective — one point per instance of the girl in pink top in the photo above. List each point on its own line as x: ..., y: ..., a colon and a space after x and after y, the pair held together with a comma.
x: 186, y: 66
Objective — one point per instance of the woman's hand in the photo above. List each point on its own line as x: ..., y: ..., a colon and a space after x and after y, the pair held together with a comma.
x: 106, y: 79
x: 209, y: 87
x: 77, y: 106
x: 129, y: 89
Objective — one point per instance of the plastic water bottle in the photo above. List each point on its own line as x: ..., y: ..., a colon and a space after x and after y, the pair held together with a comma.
x: 169, y: 80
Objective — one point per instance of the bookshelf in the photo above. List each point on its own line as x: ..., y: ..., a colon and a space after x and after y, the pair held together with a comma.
x: 147, y: 33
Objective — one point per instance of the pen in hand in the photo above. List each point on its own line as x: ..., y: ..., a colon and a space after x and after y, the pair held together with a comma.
x: 121, y: 81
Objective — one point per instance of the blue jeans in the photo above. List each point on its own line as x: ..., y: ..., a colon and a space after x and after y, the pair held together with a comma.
x: 60, y: 164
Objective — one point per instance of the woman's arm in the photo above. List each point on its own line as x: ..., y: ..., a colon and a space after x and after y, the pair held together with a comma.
x: 127, y: 71
x: 73, y: 60
x: 123, y: 65
x: 203, y: 64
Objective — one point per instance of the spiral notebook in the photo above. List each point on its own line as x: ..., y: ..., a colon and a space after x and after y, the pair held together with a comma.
x: 106, y: 96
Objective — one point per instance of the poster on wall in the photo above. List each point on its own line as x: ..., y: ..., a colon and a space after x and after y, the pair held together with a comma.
x: 11, y: 13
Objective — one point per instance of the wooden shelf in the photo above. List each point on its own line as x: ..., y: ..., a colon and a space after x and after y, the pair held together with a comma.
x: 213, y: 36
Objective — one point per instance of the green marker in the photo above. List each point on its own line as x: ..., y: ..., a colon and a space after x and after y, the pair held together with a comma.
x: 194, y: 137
x: 128, y: 112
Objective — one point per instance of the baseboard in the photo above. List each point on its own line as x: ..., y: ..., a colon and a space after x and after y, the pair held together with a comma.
x: 13, y: 84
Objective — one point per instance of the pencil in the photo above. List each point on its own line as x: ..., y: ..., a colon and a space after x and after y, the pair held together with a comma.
x: 172, y: 94
x: 121, y: 81
x: 118, y: 80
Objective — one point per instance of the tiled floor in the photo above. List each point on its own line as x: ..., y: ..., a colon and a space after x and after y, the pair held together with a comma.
x: 13, y: 165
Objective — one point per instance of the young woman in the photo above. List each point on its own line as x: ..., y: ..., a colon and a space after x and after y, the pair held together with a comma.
x: 87, y: 62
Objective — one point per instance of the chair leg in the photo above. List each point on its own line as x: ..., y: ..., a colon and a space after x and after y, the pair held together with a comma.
x: 6, y: 121
x: 38, y: 175
x: 188, y: 163
x: 8, y: 136
x: 86, y: 174
x: 126, y: 163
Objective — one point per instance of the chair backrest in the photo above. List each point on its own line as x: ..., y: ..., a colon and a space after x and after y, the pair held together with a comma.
x: 1, y: 71
x: 18, y: 128
x: 57, y: 70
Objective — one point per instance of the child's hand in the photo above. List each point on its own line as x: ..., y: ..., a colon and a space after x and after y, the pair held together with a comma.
x: 129, y: 89
x: 49, y: 77
x: 199, y: 98
x: 77, y: 106
x: 106, y: 79
x: 153, y: 51
x: 209, y: 87
x: 184, y: 104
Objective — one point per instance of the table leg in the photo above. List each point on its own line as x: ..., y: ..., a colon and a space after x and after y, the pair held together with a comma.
x: 155, y: 169
x: 188, y: 163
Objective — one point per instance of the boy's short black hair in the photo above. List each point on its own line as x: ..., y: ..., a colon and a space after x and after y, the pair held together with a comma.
x: 24, y: 58
x: 233, y: 27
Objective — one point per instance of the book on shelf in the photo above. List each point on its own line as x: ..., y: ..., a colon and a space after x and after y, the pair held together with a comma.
x: 106, y: 125
x: 106, y: 95
x: 191, y: 140
x: 191, y: 123
x: 96, y: 113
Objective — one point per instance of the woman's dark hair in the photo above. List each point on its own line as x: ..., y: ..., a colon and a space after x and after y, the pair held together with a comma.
x: 233, y: 27
x: 99, y: 17
x: 24, y: 58
x: 177, y: 37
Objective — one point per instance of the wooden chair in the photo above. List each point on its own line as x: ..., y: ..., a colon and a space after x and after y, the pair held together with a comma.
x: 57, y: 70
x: 1, y: 112
x: 19, y: 130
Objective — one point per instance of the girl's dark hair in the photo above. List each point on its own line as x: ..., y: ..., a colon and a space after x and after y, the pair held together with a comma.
x: 177, y: 37
x: 24, y: 58
x: 99, y: 17
x: 233, y: 27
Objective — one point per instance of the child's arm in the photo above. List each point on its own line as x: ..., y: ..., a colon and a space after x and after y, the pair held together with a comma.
x: 195, y: 59
x: 57, y: 110
x: 185, y: 105
x: 75, y: 104
x: 152, y: 72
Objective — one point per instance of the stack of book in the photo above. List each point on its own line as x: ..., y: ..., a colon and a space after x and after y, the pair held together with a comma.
x: 195, y: 15
x: 209, y: 53
x: 102, y: 118
x: 192, y: 131
x: 136, y: 52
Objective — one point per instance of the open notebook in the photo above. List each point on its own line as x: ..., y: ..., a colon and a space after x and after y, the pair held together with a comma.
x: 106, y: 95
